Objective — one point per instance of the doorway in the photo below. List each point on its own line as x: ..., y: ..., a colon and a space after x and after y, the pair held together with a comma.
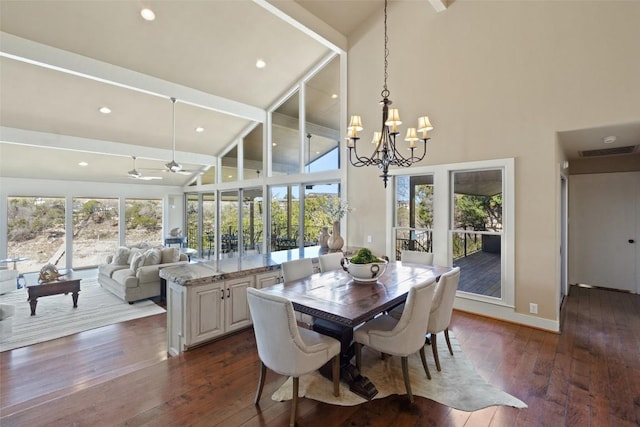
x: 604, y: 229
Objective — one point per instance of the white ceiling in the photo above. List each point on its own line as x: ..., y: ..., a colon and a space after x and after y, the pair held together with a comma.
x: 201, y: 52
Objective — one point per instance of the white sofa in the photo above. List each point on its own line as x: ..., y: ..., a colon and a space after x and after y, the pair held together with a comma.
x: 8, y: 281
x: 6, y: 320
x: 132, y: 273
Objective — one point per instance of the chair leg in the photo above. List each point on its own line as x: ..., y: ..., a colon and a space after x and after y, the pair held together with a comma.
x: 446, y: 337
x: 358, y: 349
x: 405, y: 374
x: 263, y: 374
x: 434, y: 347
x: 294, y: 403
x: 336, y: 375
x: 424, y: 362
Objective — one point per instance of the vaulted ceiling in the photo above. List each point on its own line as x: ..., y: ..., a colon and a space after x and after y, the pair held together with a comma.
x: 61, y: 61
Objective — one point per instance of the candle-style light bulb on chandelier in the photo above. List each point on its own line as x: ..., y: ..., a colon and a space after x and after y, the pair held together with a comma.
x: 386, y: 152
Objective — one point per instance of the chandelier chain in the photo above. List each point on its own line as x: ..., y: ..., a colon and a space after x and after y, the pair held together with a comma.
x: 385, y: 92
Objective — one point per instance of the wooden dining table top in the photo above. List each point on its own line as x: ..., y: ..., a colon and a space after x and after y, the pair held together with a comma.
x: 335, y: 297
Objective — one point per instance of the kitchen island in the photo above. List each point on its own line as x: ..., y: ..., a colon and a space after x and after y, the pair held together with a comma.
x: 207, y: 300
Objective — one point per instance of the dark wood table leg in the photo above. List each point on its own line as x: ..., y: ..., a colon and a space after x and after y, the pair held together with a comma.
x: 358, y: 384
x: 33, y: 303
x: 74, y: 295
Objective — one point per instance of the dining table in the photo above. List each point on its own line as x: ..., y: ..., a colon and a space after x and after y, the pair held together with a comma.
x: 338, y: 304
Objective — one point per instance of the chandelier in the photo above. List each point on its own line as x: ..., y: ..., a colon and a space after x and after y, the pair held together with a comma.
x: 386, y: 152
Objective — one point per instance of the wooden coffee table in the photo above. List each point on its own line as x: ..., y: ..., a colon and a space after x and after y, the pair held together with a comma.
x: 55, y: 287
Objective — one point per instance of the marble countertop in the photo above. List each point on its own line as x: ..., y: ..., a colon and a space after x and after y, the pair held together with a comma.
x: 229, y: 268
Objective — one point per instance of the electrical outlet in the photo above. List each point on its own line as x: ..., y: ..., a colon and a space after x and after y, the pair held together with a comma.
x: 369, y: 238
x: 533, y: 308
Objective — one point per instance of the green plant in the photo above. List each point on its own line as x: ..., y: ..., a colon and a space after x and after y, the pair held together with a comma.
x: 364, y: 256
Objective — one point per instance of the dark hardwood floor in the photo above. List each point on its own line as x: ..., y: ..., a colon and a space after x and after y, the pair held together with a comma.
x: 119, y: 375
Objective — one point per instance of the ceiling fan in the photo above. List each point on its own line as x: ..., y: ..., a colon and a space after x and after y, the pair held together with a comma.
x: 134, y: 174
x: 173, y: 166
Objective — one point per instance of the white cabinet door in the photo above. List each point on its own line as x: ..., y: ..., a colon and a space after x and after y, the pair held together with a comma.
x: 206, y: 307
x: 604, y: 227
x: 236, y: 303
x: 269, y: 278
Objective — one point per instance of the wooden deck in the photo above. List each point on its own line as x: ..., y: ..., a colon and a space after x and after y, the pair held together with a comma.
x: 480, y: 274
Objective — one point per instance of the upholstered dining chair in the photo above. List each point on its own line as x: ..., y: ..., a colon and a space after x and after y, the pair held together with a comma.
x: 287, y: 349
x: 441, y: 309
x: 417, y: 257
x: 295, y: 270
x: 331, y: 261
x: 400, y: 337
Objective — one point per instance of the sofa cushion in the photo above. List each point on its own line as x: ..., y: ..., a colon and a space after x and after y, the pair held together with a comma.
x: 170, y: 255
x: 108, y: 269
x: 152, y: 256
x: 137, y: 261
x: 121, y: 256
x: 121, y: 277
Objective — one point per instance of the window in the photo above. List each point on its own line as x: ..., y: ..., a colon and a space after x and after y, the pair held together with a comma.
x: 95, y: 230
x: 414, y: 214
x: 36, y: 230
x: 476, y: 230
x: 285, y: 145
x: 252, y: 227
x: 468, y: 211
x: 229, y: 231
x: 143, y: 220
x: 319, y: 201
x: 285, y: 211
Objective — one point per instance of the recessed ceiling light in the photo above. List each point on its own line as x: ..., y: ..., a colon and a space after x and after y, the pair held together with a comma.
x: 83, y: 164
x: 260, y: 63
x: 273, y: 144
x: 199, y: 129
x: 334, y: 96
x: 105, y: 110
x: 230, y: 176
x: 609, y: 139
x: 147, y: 14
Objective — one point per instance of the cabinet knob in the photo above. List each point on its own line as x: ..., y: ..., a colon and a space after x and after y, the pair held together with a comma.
x: 631, y: 241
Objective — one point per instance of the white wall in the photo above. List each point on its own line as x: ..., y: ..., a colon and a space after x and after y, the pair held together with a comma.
x: 498, y: 80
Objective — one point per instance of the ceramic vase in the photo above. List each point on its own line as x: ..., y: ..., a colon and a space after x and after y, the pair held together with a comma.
x: 335, y: 241
x: 323, y: 238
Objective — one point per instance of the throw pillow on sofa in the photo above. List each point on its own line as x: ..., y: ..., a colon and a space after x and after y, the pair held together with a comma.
x: 152, y: 256
x: 137, y: 261
x: 170, y: 255
x: 134, y: 251
x: 121, y: 256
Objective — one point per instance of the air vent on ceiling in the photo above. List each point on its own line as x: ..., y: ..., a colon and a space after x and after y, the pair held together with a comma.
x: 615, y: 151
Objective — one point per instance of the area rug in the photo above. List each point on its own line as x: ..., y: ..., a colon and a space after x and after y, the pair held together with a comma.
x: 458, y: 385
x: 55, y: 316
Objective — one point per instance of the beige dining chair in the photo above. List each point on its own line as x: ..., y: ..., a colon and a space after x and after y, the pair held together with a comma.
x: 295, y: 270
x: 331, y: 261
x: 287, y: 349
x: 441, y: 309
x: 417, y: 257
x: 400, y: 337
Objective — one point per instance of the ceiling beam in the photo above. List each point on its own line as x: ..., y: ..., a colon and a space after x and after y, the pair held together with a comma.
x: 96, y: 146
x: 440, y: 5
